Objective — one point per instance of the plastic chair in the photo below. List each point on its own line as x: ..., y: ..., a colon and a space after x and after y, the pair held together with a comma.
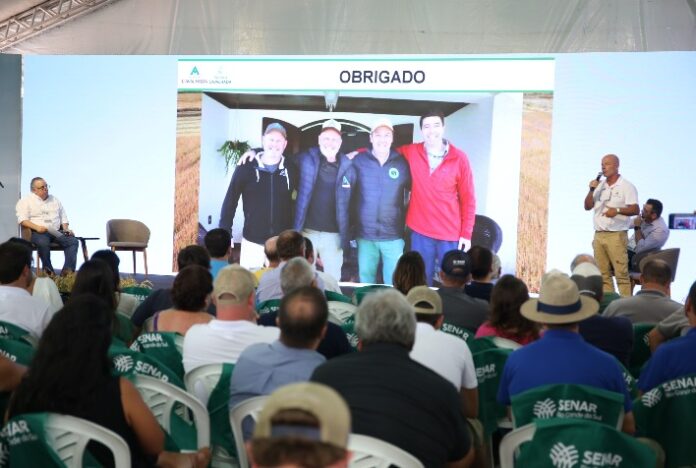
x: 165, y: 347
x: 162, y: 397
x: 489, y: 364
x: 665, y: 414
x: 17, y: 351
x: 360, y: 293
x: 128, y: 235
x: 265, y: 307
x: 10, y: 331
x: 341, y: 312
x: 211, y: 385
x: 565, y: 443
x: 251, y: 407
x: 371, y: 452
x: 128, y: 363
x: 551, y: 401
x: 334, y: 296
x: 487, y: 233
x: 47, y: 439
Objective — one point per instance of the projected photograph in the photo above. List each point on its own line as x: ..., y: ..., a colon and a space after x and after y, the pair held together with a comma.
x: 214, y: 129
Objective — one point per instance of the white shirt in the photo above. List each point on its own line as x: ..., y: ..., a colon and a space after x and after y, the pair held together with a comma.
x: 330, y: 283
x: 445, y: 354
x: 619, y: 195
x: 46, y: 290
x: 19, y: 308
x: 48, y: 212
x: 220, y: 341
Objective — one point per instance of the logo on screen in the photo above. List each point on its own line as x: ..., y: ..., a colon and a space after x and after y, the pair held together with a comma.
x: 194, y: 71
x: 394, y: 173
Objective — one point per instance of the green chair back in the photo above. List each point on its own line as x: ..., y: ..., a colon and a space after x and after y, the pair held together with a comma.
x: 563, y: 443
x: 125, y: 328
x: 162, y: 347
x: 221, y: 437
x: 666, y: 414
x: 360, y: 293
x: 641, y: 348
x: 477, y: 345
x: 631, y: 381
x: 489, y: 364
x: 334, y: 296
x: 140, y: 292
x: 460, y: 332
x: 17, y: 351
x: 128, y: 363
x: 568, y: 401
x: 265, y: 307
x: 9, y: 331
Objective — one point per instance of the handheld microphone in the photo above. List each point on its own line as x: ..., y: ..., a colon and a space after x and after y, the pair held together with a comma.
x: 599, y: 176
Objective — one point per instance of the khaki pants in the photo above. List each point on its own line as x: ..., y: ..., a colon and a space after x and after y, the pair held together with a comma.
x: 610, y: 253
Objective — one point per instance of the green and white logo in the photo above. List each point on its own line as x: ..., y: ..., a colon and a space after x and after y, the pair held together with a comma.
x: 194, y: 71
x: 345, y: 183
x: 123, y: 363
x: 544, y: 409
x: 652, y: 397
x: 564, y: 456
x: 394, y: 173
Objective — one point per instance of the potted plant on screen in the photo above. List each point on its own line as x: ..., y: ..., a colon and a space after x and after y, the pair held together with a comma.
x: 232, y: 150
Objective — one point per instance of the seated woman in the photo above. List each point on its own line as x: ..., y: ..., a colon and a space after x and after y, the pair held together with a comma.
x: 507, y: 296
x: 95, y: 277
x: 126, y: 302
x: 409, y: 272
x: 71, y: 374
x: 191, y: 297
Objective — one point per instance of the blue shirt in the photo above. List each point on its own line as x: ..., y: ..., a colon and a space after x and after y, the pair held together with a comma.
x: 264, y: 367
x: 216, y: 266
x: 561, y: 357
x: 670, y: 361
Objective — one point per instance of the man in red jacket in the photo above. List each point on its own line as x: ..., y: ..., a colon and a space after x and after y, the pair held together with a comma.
x: 443, y: 203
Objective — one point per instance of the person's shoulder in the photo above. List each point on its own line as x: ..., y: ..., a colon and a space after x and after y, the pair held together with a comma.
x: 451, y: 341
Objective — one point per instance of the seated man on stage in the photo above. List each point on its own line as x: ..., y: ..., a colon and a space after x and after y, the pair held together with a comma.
x: 45, y: 216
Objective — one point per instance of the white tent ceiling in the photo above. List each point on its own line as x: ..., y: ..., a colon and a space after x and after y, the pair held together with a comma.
x: 363, y: 27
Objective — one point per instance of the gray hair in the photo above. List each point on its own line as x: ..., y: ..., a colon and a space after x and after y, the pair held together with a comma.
x: 386, y: 317
x: 582, y: 258
x: 496, y: 266
x: 296, y: 273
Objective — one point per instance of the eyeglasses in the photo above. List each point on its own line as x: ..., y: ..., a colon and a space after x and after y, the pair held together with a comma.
x: 43, y: 187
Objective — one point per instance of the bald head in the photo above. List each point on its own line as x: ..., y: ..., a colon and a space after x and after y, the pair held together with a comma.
x: 610, y: 166
x: 271, y: 251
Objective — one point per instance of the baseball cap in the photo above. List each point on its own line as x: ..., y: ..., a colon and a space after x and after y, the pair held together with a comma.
x: 456, y: 263
x: 276, y: 127
x: 382, y: 123
x: 331, y: 124
x: 424, y: 300
x: 235, y: 281
x: 322, y: 402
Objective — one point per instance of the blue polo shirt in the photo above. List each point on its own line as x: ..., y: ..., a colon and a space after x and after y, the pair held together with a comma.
x: 561, y: 357
x: 670, y: 361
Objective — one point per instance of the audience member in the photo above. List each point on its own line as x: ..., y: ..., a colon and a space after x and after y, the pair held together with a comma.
x: 674, y: 359
x: 391, y: 396
x: 561, y: 356
x: 652, y: 303
x: 224, y: 338
x: 126, y: 302
x: 409, y: 272
x: 447, y: 355
x: 290, y: 244
x: 71, y: 374
x: 611, y: 334
x: 17, y: 306
x: 607, y: 296
x: 272, y: 259
x: 302, y: 424
x: 95, y: 277
x: 482, y: 273
x: 506, y: 321
x: 42, y: 287
x: 161, y: 299
x: 462, y: 313
x: 298, y: 273
x: 330, y: 283
x: 191, y: 297
x: 218, y: 243
x: 263, y: 367
x: 674, y: 325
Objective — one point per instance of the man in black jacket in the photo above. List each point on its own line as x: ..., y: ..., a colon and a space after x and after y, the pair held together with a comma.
x: 322, y: 171
x: 378, y: 181
x: 266, y: 187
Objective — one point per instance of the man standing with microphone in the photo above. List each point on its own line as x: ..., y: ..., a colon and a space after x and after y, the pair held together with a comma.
x: 614, y: 200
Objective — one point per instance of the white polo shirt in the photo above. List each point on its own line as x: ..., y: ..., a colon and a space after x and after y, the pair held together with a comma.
x: 48, y: 212
x: 20, y: 308
x: 619, y: 195
x: 445, y: 354
x: 220, y: 341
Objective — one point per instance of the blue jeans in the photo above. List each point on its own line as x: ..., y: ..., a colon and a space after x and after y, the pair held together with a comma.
x: 432, y: 251
x: 368, y: 258
x: 69, y: 244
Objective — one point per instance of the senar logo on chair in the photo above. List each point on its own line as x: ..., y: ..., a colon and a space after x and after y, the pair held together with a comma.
x: 564, y: 456
x: 545, y: 409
